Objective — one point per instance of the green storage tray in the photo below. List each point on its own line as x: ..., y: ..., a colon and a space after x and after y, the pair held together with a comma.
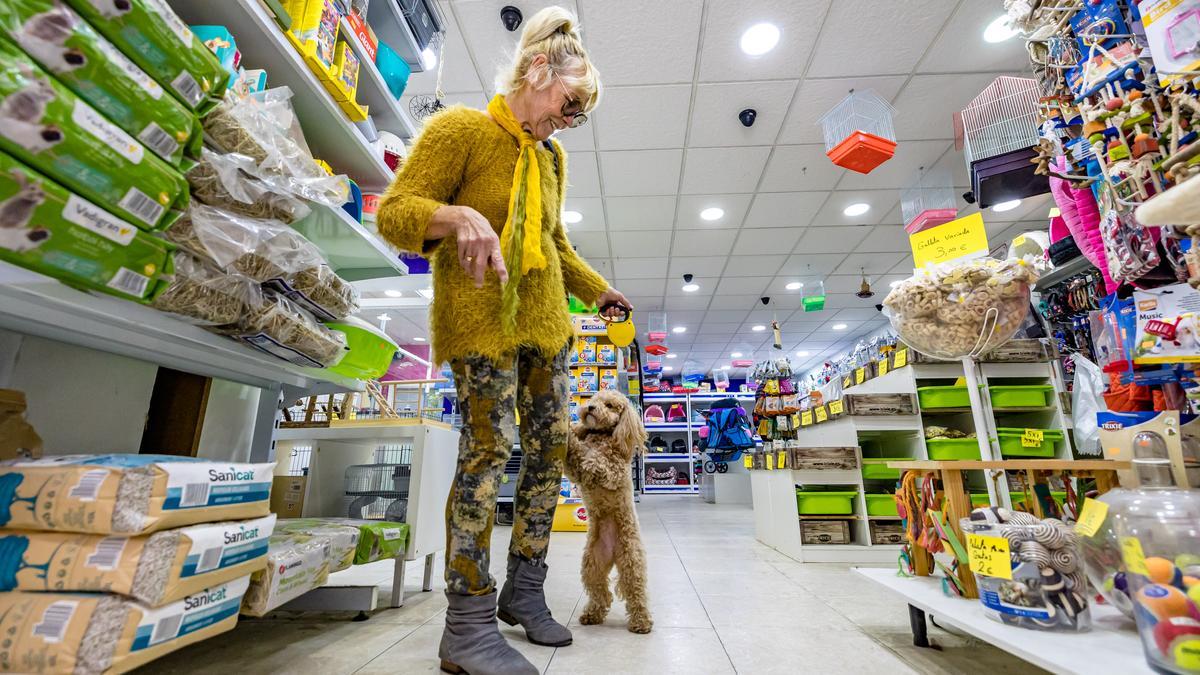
x: 953, y: 396
x: 824, y: 503
x: 881, y: 505
x: 1017, y: 498
x: 370, y: 349
x: 952, y: 448
x: 1010, y: 442
x: 1021, y: 396
x: 876, y: 468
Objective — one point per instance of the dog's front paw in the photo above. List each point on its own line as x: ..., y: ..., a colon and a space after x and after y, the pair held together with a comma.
x: 640, y: 624
x: 592, y: 616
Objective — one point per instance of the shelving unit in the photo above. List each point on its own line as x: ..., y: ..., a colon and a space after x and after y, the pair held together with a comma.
x: 387, y: 19
x: 352, y: 251
x: 373, y: 92
x: 694, y: 401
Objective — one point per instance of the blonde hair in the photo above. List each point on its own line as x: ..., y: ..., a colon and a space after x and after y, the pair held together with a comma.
x: 554, y: 32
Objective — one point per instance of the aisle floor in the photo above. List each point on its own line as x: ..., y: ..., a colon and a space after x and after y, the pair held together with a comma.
x: 722, y: 603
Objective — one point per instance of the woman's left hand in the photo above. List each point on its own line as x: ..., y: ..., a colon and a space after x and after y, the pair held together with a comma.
x: 612, y: 296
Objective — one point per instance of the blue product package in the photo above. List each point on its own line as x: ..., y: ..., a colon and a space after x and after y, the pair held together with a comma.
x: 394, y: 70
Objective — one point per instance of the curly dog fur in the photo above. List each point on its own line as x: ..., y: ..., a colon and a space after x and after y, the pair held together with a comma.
x: 599, y: 452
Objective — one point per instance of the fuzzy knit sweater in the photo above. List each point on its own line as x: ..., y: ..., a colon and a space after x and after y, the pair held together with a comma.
x: 464, y: 158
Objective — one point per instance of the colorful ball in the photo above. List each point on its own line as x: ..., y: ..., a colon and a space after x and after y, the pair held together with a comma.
x: 1163, y: 571
x: 1193, y: 595
x: 1163, y: 602
x: 1169, y: 630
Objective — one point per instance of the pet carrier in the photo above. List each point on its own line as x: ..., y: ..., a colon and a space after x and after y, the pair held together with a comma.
x: 654, y: 415
x: 858, y: 131
x: 928, y: 203
x: 378, y: 491
x: 727, y: 435
x: 1000, y: 132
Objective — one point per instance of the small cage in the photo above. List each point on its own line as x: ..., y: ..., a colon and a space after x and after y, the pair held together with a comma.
x: 1001, y: 119
x: 928, y: 203
x: 859, y: 134
x: 378, y: 491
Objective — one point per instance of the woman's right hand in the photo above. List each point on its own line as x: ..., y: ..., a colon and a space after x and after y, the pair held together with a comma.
x: 478, y: 243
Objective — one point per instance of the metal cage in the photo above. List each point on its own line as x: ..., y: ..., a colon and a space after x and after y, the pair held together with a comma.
x: 861, y: 111
x: 378, y: 491
x: 1001, y: 119
x: 928, y: 202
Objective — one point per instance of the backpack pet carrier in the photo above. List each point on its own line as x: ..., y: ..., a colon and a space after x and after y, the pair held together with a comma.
x: 728, y: 435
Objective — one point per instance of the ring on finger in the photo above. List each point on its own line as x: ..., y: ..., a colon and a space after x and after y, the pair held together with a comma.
x: 470, y: 259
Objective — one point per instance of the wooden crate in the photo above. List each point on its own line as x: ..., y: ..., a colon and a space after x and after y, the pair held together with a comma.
x: 880, y: 404
x: 887, y: 532
x: 823, y: 459
x: 825, y: 532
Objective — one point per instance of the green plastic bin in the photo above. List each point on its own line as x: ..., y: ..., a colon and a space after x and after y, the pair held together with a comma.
x: 370, y: 349
x: 876, y: 468
x: 952, y: 448
x: 824, y: 502
x: 1021, y: 396
x: 881, y: 505
x: 1011, y: 446
x: 953, y: 396
x: 1017, y: 498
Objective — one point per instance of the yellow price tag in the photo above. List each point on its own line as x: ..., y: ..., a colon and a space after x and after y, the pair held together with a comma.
x: 781, y: 459
x: 860, y: 374
x: 748, y: 461
x: 883, y: 367
x: 835, y: 407
x: 770, y: 461
x: 821, y: 414
x: 1091, y: 517
x: 962, y: 238
x: 806, y: 418
x: 900, y: 359
x: 989, y: 556
x: 1032, y: 438
x: 1135, y: 558
x: 846, y: 381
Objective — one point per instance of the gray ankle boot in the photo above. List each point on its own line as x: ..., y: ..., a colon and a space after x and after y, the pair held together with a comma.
x: 523, y: 601
x: 472, y: 642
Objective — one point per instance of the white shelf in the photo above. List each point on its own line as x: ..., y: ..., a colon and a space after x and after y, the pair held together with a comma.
x: 661, y: 457
x: 1070, y: 268
x: 352, y: 251
x: 373, y: 92
x: 1111, y: 646
x: 665, y: 397
x: 886, y: 422
x: 667, y: 426
x: 330, y: 134
x: 651, y: 489
x: 34, y: 304
x: 390, y: 26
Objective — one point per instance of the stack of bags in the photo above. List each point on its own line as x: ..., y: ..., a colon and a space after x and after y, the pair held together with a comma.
x: 110, y: 561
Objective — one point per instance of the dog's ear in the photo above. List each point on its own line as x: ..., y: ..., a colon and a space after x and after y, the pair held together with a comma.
x: 629, y: 431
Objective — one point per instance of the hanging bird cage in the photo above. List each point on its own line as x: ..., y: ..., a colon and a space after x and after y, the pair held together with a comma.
x: 928, y: 203
x: 1001, y: 119
x: 859, y: 134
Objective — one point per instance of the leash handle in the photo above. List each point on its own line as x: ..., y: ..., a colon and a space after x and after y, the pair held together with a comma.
x: 625, y: 312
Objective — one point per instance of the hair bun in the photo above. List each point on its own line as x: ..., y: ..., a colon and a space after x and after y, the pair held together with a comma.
x: 546, y: 22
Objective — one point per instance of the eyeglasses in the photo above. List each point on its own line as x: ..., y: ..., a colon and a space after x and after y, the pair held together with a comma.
x: 572, y: 108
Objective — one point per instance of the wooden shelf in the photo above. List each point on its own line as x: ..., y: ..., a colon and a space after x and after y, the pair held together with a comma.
x: 884, y: 518
x: 833, y: 517
x: 1016, y: 465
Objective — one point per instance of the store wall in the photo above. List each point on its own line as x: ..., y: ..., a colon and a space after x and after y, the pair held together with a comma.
x: 228, y: 421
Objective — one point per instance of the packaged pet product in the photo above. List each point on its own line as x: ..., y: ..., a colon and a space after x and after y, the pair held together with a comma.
x: 296, y: 564
x: 222, y: 44
x: 78, y: 57
x: 314, y: 31
x: 204, y: 295
x: 45, y: 228
x: 281, y: 329
x: 52, y: 130
x: 606, y: 354
x: 155, y: 568
x: 160, y: 43
x: 379, y: 540
x: 342, y: 536
x: 129, y: 494
x: 94, y: 633
x: 587, y: 349
x: 346, y: 66
x: 17, y: 437
x: 227, y: 182
x: 1133, y: 435
x: 574, y: 406
x: 574, y: 380
x: 608, y: 378
x: 588, y: 378
x: 1168, y: 325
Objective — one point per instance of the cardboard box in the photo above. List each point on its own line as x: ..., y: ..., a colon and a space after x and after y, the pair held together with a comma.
x: 287, y: 496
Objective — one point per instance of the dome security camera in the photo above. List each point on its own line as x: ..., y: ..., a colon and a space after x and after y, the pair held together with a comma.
x: 687, y: 278
x: 969, y: 197
x: 748, y: 116
x: 512, y: 17
x: 764, y: 299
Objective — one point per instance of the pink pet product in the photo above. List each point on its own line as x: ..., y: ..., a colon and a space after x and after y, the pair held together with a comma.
x: 1082, y: 217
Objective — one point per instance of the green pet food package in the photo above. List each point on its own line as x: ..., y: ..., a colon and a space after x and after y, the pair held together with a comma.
x: 45, y: 228
x: 160, y: 43
x: 46, y: 126
x: 54, y: 36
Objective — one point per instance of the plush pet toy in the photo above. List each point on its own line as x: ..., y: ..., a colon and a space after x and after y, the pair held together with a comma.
x: 601, y: 447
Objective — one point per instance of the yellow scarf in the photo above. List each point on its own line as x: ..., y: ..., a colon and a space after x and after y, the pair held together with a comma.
x: 521, y: 238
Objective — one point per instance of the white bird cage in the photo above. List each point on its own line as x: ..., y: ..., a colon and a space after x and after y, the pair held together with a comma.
x: 928, y: 203
x: 859, y: 134
x: 1001, y: 119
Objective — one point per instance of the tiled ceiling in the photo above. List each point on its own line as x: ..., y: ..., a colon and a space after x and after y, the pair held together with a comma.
x: 666, y: 143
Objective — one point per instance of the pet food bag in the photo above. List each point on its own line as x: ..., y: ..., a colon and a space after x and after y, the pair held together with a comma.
x: 129, y: 494
x: 160, y: 43
x: 155, y: 569
x: 45, y: 125
x: 204, y: 295
x: 78, y: 57
x: 93, y: 633
x: 342, y: 536
x: 45, y: 228
x: 280, y: 328
x: 379, y: 540
x: 228, y: 182
x: 296, y: 564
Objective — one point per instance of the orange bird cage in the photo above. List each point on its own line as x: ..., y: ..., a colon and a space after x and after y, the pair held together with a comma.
x: 859, y: 134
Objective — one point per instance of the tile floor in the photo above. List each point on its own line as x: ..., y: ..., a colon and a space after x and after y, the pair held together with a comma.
x: 722, y: 603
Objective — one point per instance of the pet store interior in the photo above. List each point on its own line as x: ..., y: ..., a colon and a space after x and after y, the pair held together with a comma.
x: 599, y: 336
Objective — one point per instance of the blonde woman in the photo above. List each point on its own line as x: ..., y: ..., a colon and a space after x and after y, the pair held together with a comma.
x: 481, y: 194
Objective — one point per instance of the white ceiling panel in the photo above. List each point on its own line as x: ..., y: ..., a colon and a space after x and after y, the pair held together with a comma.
x: 715, y: 119
x: 703, y: 267
x: 591, y: 244
x: 857, y: 314
x: 641, y: 243
x: 641, y: 172
x: 642, y: 287
x: 601, y: 265
x: 784, y: 209
x: 873, y: 263
x: 880, y: 201
x: 721, y: 170
x: 901, y: 171
x: 763, y: 242
x: 885, y: 239
x: 806, y: 264
x: 886, y: 37
x: 742, y: 302
x: 722, y: 60
x: 743, y: 285
x: 592, y: 209
x: 914, y: 120
x: 827, y: 240
x: 795, y: 168
x: 817, y: 97
x: 622, y: 122
x: 639, y: 268
x: 630, y: 43
x: 753, y: 265
x: 582, y: 178
x: 640, y: 213
x: 704, y: 242
x: 690, y: 207
x: 688, y: 301
x: 491, y: 45
x: 577, y: 140
x: 946, y: 54
x: 842, y: 283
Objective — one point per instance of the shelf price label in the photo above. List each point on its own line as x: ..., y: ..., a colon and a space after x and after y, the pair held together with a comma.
x: 846, y: 381
x: 836, y: 407
x: 770, y: 461
x: 860, y: 374
x: 883, y: 367
x: 821, y: 414
x: 900, y: 359
x: 781, y: 459
x: 806, y: 418
x: 957, y: 239
x: 1091, y: 517
x: 1032, y: 438
x: 989, y: 556
x: 795, y: 420
x: 748, y: 461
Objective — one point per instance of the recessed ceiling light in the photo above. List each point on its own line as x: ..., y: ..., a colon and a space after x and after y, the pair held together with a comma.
x: 724, y: 367
x: 999, y: 30
x: 428, y: 58
x: 393, y: 293
x: 897, y: 283
x: 572, y: 217
x: 418, y: 339
x: 758, y: 327
x: 672, y: 356
x: 760, y: 39
x: 794, y: 286
x: 668, y: 368
x: 856, y: 209
x: 736, y: 355
x: 839, y: 326
x: 712, y: 213
x: 691, y: 288
x: 679, y: 329
x: 801, y: 353
x: 1006, y: 206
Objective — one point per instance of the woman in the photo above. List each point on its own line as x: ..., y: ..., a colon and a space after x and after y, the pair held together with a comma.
x: 493, y: 184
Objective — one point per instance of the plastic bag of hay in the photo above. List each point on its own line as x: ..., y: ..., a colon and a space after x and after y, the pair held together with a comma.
x: 160, y: 43
x: 206, y: 296
x: 342, y: 536
x: 80, y: 58
x: 129, y: 494
x: 378, y: 540
x: 268, y: 252
x: 228, y: 182
x: 45, y: 228
x: 296, y: 564
x: 280, y: 328
x: 155, y: 569
x: 45, y: 125
x: 92, y: 633
x: 17, y: 437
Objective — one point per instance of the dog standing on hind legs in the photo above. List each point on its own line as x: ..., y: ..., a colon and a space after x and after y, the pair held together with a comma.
x: 599, y: 452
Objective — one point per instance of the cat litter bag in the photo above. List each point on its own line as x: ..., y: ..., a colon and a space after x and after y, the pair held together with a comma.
x: 342, y: 536
x: 160, y: 43
x: 296, y: 564
x: 80, y: 58
x: 129, y: 494
x: 155, y: 569
x: 93, y: 633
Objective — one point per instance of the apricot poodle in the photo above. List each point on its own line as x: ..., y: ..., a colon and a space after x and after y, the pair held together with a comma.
x: 599, y: 453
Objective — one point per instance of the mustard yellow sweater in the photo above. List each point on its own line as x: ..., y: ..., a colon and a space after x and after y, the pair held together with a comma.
x: 464, y: 158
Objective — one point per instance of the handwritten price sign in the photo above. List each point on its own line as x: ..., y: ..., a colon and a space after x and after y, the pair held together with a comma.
x: 989, y: 556
x: 957, y: 239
